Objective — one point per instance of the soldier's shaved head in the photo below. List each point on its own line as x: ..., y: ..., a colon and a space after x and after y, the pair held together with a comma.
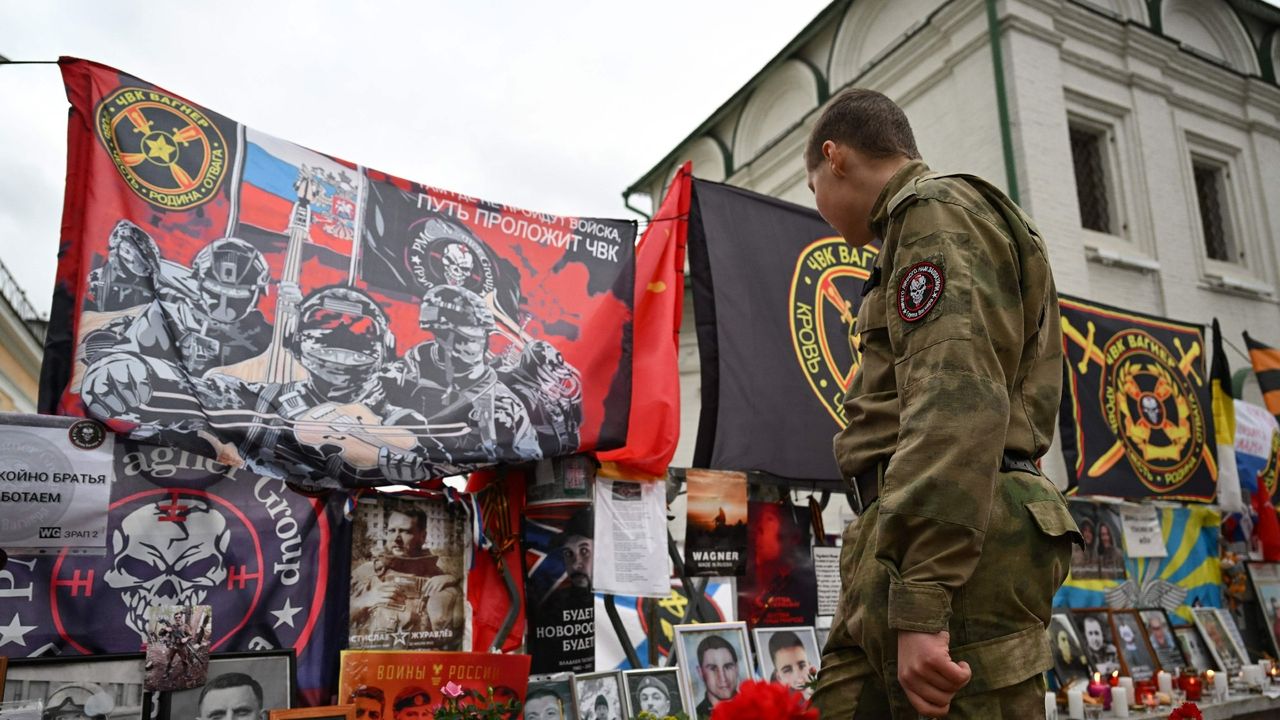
x: 866, y: 121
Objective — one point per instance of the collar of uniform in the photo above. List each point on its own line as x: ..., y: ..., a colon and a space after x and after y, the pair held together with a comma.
x: 904, y: 175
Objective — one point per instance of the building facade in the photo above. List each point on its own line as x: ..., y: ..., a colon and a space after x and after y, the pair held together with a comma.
x: 1142, y: 135
x: 21, y: 347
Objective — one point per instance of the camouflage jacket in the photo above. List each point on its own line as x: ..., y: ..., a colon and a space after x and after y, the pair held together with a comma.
x: 961, y: 361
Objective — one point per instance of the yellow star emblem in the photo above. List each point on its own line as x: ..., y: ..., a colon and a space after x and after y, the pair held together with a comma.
x: 160, y: 149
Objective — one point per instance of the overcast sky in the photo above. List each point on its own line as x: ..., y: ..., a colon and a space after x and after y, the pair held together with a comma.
x: 549, y: 105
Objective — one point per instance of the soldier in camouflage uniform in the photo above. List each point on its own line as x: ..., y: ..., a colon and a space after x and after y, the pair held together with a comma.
x: 950, y: 570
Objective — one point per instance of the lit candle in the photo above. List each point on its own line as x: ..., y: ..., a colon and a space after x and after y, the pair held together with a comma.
x: 1193, y: 687
x: 1115, y: 678
x: 1075, y: 704
x: 1165, y: 682
x: 1099, y: 689
x: 1120, y: 701
x: 1050, y: 705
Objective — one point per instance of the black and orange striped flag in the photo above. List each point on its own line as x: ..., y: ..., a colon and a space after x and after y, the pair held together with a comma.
x: 1266, y: 363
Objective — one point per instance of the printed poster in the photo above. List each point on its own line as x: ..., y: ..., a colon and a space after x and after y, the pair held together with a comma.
x: 55, y: 484
x: 715, y: 540
x: 428, y: 681
x: 408, y: 567
x: 559, y: 557
x: 631, y: 537
x: 780, y: 586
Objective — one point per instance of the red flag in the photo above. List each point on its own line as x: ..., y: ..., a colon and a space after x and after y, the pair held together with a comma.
x: 1268, y: 527
x: 654, y: 429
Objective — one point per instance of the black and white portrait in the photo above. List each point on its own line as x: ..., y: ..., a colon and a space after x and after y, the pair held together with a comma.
x: 241, y: 686
x: 1131, y: 642
x: 1194, y: 649
x: 1069, y: 660
x: 654, y: 690
x: 600, y: 696
x: 105, y: 687
x: 1099, y: 644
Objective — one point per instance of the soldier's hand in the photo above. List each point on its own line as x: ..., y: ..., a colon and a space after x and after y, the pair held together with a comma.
x: 438, y: 583
x: 116, y: 384
x: 927, y: 673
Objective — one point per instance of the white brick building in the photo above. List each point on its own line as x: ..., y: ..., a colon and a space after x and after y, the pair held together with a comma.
x: 1143, y: 136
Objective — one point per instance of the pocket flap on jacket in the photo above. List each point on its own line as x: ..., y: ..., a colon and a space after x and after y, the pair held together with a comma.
x: 1054, y: 519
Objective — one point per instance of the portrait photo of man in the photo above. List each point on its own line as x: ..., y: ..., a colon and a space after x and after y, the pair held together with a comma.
x: 544, y: 702
x: 715, y: 660
x: 231, y: 696
x: 406, y: 587
x: 789, y: 656
x: 238, y: 688
x: 370, y: 702
x: 654, y: 690
x: 1099, y: 645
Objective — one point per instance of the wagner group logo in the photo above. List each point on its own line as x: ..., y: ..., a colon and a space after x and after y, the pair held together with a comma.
x: 1151, y: 406
x: 825, y: 293
x: 169, y: 152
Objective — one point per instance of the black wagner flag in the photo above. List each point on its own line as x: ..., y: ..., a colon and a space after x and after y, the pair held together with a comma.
x: 1140, y: 404
x: 775, y: 293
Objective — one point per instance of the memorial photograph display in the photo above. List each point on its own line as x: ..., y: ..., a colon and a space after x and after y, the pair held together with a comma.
x: 600, y: 696
x: 1229, y: 654
x: 259, y: 681
x: 715, y: 659
x: 100, y: 685
x: 1099, y: 641
x: 654, y: 690
x: 1069, y: 659
x: 1163, y: 642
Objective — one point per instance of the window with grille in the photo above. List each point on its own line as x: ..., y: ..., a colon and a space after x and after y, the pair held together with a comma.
x: 1088, y: 156
x: 1211, y: 194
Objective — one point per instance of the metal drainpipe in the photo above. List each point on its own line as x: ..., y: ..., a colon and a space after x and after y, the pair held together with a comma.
x: 626, y: 201
x: 1002, y: 102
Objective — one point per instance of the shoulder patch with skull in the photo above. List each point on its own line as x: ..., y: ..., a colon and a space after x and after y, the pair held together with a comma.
x: 919, y: 290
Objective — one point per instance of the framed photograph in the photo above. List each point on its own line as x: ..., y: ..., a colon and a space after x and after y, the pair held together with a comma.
x: 1136, y: 654
x: 1099, y: 642
x: 715, y: 659
x: 82, y: 685
x: 326, y: 712
x: 1069, y: 660
x: 236, y: 680
x: 22, y: 710
x: 1213, y: 624
x: 789, y: 656
x: 551, y: 697
x: 655, y: 690
x: 600, y: 696
x: 1266, y: 586
x: 1160, y: 634
x: 1194, y: 649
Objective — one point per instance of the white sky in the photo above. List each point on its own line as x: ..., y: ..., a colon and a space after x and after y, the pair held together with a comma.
x: 550, y: 105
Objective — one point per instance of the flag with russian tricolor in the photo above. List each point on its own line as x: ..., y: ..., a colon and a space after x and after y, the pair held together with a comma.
x: 269, y: 188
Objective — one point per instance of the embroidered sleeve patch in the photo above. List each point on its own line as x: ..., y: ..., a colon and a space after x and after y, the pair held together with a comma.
x: 919, y: 290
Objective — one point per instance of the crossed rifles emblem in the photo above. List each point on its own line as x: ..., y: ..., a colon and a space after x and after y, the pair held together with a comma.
x: 1134, y: 430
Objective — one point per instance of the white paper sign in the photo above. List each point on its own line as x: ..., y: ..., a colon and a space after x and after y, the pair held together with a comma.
x: 1142, y: 535
x: 826, y: 565
x: 55, y: 483
x: 630, y: 554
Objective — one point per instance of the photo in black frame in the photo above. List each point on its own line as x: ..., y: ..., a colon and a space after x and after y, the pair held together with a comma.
x: 1069, y: 661
x: 1195, y: 649
x: 1131, y: 642
x: 1099, y: 643
x: 274, y: 672
x: 1163, y: 641
x: 108, y: 685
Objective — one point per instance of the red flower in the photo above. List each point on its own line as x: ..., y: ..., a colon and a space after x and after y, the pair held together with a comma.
x: 765, y: 700
x: 1188, y: 711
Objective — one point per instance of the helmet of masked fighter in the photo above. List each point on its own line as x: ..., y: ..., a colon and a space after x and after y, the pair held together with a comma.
x: 133, y: 249
x: 231, y: 275
x: 460, y: 320
x: 343, y: 336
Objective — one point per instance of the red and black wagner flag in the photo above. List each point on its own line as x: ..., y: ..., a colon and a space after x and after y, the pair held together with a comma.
x: 247, y: 299
x: 776, y: 292
x: 1138, y: 405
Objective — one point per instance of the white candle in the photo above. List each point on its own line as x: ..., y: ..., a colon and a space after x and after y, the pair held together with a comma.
x: 1075, y: 704
x: 1050, y: 706
x: 1120, y: 701
x: 1127, y: 684
x: 1165, y: 682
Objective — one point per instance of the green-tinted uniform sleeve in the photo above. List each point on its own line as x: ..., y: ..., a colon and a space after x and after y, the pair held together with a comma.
x: 952, y: 367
